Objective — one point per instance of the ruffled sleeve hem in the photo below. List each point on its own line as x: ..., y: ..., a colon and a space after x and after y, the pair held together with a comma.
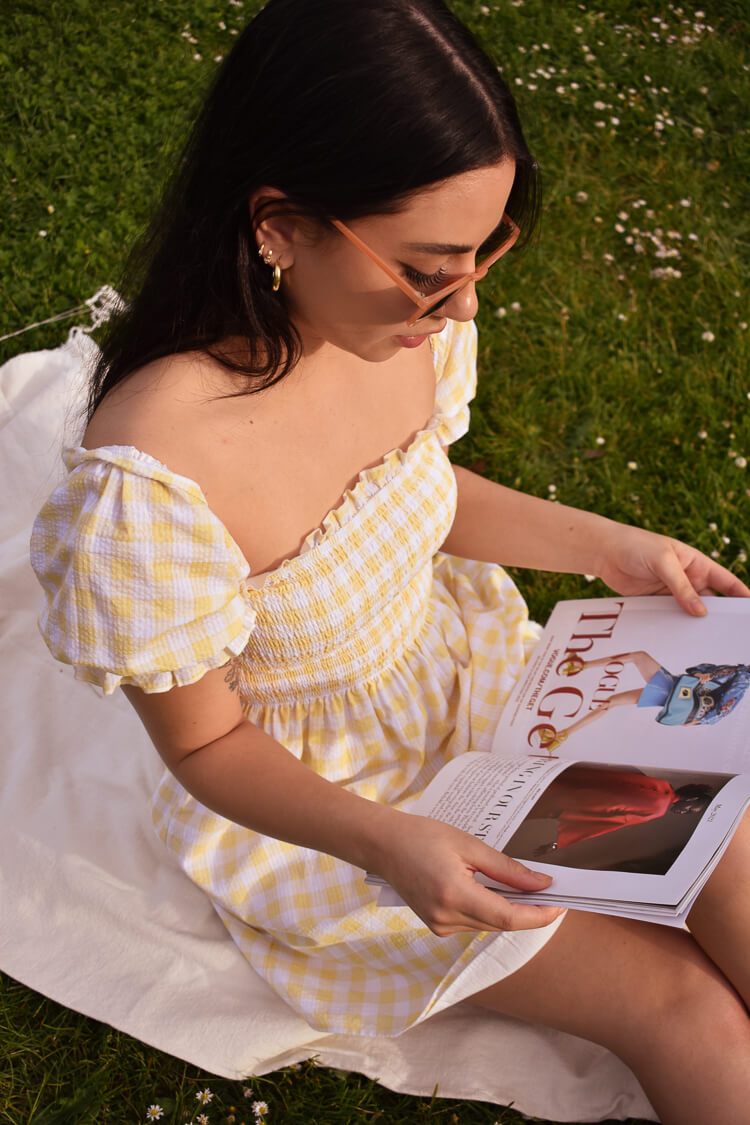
x: 143, y: 584
x: 153, y: 682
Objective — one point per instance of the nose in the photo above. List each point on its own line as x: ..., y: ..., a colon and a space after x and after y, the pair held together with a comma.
x: 463, y: 304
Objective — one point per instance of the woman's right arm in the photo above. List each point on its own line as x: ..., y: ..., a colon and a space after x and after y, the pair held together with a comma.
x: 245, y: 775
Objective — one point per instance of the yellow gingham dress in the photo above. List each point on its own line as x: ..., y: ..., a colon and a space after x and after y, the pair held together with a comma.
x: 372, y: 656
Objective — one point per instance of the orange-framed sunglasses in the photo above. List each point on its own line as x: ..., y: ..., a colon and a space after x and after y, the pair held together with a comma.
x: 426, y: 305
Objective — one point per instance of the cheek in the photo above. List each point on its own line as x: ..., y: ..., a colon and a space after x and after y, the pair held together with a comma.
x: 345, y: 296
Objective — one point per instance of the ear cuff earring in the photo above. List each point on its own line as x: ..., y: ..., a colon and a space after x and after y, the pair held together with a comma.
x: 268, y: 260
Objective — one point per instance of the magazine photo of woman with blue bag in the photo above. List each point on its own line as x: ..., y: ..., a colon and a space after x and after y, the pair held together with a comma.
x: 704, y: 693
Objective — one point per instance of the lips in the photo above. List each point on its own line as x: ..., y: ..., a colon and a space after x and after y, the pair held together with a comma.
x: 415, y: 340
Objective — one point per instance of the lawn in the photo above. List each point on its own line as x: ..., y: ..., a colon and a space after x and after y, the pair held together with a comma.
x: 613, y: 353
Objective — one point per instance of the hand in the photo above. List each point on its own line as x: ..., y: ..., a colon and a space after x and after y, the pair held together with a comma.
x: 431, y: 865
x: 640, y: 562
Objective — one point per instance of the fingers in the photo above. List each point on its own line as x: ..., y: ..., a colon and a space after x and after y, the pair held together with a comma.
x: 475, y: 907
x: 489, y: 912
x: 503, y: 869
x: 680, y: 586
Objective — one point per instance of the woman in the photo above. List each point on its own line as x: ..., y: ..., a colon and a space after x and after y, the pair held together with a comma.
x: 263, y: 542
x: 701, y: 696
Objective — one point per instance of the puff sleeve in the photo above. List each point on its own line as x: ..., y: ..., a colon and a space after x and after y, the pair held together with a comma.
x: 455, y: 359
x: 143, y: 584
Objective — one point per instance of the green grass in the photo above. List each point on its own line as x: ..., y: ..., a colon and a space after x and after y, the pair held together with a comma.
x: 96, y: 100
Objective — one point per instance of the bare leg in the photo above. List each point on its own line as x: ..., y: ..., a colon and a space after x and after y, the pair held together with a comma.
x: 645, y: 664
x: 720, y: 919
x: 621, y: 699
x: 652, y: 996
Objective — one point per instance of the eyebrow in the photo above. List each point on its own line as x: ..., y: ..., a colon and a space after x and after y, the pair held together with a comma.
x: 438, y: 248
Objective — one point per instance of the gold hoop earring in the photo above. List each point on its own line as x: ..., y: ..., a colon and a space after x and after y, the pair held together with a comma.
x: 276, y: 283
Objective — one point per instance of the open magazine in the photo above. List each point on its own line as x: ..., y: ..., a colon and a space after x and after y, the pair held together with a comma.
x: 617, y: 765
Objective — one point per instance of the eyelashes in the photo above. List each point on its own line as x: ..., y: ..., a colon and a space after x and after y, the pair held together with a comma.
x: 424, y: 281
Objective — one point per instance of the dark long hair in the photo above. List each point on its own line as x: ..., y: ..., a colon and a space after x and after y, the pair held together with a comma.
x: 345, y: 106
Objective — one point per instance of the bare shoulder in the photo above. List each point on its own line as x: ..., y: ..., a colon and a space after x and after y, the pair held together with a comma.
x: 161, y: 410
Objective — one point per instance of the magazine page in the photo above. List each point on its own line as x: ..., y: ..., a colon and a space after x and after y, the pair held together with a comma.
x: 621, y: 839
x: 628, y: 834
x: 636, y: 679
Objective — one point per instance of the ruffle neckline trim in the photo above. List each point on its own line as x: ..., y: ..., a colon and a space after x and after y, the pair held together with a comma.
x: 369, y: 482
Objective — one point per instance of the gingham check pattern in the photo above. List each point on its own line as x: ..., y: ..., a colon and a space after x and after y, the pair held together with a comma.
x: 371, y: 656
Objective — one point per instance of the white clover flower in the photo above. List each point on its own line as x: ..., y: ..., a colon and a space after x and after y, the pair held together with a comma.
x: 42, y: 234
x: 662, y: 272
x: 551, y: 488
x: 632, y: 465
x: 686, y: 203
x: 708, y: 336
x: 154, y: 1112
x: 501, y: 312
x: 516, y: 306
x: 741, y: 462
x: 702, y: 434
x: 600, y: 440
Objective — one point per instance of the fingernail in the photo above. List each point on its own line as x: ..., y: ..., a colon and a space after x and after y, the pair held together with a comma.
x: 541, y: 877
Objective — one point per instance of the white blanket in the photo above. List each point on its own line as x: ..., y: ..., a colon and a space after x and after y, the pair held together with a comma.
x: 94, y: 913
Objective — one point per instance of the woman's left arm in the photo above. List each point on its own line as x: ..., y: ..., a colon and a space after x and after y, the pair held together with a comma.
x: 498, y: 524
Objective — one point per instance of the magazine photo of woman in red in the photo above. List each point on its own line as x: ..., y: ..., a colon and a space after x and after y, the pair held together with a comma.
x: 609, y: 804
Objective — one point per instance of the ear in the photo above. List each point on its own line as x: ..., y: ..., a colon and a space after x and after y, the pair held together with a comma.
x: 272, y: 226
